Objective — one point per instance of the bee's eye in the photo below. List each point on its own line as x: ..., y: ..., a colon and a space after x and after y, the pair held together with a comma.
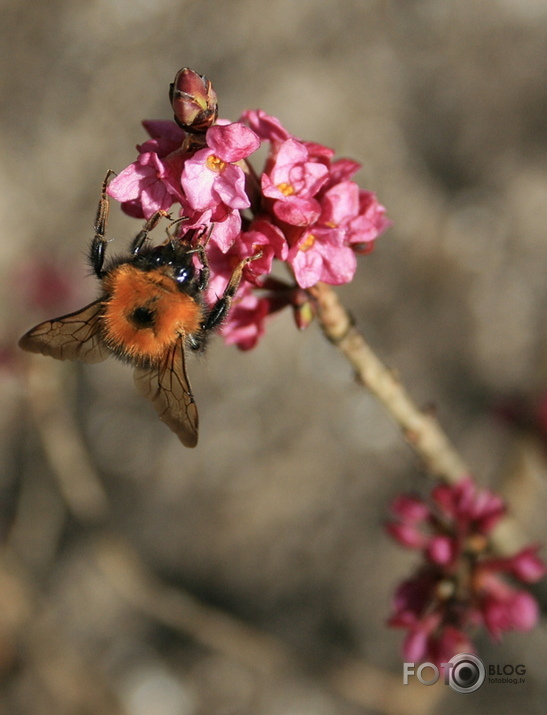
x: 184, y: 273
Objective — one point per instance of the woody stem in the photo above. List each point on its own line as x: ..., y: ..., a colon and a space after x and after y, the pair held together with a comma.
x: 420, y: 429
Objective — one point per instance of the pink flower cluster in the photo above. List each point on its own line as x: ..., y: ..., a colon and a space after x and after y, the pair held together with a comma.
x: 303, y: 210
x: 461, y: 586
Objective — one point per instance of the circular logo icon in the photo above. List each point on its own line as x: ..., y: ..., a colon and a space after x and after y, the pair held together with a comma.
x: 467, y: 673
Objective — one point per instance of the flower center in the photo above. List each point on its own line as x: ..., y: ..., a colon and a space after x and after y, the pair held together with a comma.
x: 308, y: 243
x: 286, y: 189
x: 215, y: 163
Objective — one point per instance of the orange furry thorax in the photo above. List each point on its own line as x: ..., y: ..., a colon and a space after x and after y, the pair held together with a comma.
x: 145, y: 312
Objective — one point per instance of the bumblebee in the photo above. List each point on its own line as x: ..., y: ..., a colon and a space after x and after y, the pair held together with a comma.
x: 150, y: 311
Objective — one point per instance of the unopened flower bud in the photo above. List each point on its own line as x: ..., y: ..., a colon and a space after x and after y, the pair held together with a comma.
x: 303, y: 309
x: 194, y: 101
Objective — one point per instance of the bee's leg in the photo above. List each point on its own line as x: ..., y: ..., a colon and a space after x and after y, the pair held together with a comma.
x: 221, y: 308
x: 140, y: 239
x: 173, y: 238
x: 98, y: 245
x: 205, y: 271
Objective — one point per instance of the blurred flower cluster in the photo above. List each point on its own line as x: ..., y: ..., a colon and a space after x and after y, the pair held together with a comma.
x: 302, y: 209
x: 460, y: 585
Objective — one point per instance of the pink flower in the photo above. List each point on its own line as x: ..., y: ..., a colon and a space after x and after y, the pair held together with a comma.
x: 224, y: 223
x: 319, y: 153
x: 527, y: 566
x: 475, y: 510
x: 320, y: 255
x: 169, y: 135
x: 442, y: 550
x: 265, y: 127
x: 226, y: 226
x: 211, y: 176
x: 262, y: 232
x: 292, y: 180
x: 503, y: 608
x: 356, y: 212
x: 415, y: 645
x: 342, y: 170
x: 245, y: 323
x: 302, y: 209
x: 411, y: 528
x: 410, y: 508
x: 151, y: 182
x: 144, y: 184
x: 340, y: 204
x: 369, y: 223
x: 407, y: 535
x: 413, y: 596
x: 249, y: 243
x: 333, y: 218
x: 246, y: 320
x: 427, y: 644
x: 461, y: 585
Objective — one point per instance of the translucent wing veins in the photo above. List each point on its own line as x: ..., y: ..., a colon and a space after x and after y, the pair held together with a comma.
x: 76, y: 336
x: 167, y: 386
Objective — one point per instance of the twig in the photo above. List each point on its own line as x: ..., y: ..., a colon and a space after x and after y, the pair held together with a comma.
x: 421, y: 430
x: 263, y: 654
x: 66, y: 453
x: 178, y: 609
x: 44, y: 653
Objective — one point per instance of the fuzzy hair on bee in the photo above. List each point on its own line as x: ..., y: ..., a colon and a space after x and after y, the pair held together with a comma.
x: 149, y: 313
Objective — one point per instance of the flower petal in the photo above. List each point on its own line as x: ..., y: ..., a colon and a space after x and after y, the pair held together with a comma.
x: 232, y: 142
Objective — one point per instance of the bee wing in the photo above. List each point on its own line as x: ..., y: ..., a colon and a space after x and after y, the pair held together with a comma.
x: 75, y: 336
x: 166, y: 385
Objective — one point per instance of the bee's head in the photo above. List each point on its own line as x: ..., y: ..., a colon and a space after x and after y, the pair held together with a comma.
x: 171, y: 255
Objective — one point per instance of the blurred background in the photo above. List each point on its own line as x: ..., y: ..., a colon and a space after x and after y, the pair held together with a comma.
x: 252, y: 575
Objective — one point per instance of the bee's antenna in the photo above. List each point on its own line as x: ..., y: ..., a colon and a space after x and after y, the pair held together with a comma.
x: 207, y: 232
x: 170, y: 235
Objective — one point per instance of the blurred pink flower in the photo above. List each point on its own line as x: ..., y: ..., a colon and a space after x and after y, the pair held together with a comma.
x: 461, y: 585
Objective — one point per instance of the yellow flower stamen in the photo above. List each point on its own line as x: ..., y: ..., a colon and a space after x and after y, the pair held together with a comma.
x: 308, y: 243
x: 286, y: 189
x: 215, y: 163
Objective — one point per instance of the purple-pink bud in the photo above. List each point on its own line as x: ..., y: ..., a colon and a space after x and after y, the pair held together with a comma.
x: 194, y: 101
x: 441, y: 550
x: 410, y: 508
x: 303, y: 309
x: 407, y: 535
